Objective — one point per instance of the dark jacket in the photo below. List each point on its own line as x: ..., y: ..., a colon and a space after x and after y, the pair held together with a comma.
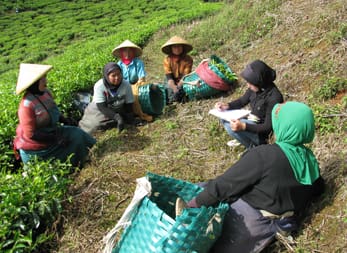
x: 264, y: 179
x: 261, y: 104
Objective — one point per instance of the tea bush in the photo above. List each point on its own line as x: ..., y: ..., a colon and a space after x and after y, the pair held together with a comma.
x: 30, y: 202
x: 34, y: 31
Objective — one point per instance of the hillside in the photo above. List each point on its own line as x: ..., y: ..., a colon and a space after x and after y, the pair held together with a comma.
x: 305, y: 41
x: 307, y: 46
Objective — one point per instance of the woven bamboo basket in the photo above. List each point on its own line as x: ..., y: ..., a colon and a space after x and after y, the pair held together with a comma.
x: 152, y: 99
x: 154, y: 227
x: 195, y: 88
x: 162, y: 87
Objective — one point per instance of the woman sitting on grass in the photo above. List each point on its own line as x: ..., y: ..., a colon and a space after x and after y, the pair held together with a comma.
x: 177, y: 64
x: 262, y: 94
x: 39, y: 132
x: 269, y: 187
x: 133, y: 70
x: 112, y: 104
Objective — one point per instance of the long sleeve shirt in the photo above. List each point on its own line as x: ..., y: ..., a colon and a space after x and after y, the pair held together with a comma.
x: 177, y: 69
x: 38, y: 116
x: 264, y: 179
x: 261, y: 104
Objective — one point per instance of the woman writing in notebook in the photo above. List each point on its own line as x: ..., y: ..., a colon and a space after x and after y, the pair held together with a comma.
x: 261, y: 95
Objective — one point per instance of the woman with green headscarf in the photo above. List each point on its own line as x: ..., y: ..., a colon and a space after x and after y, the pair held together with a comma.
x: 269, y: 186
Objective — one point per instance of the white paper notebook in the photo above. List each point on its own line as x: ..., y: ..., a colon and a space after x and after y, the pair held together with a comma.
x: 230, y: 114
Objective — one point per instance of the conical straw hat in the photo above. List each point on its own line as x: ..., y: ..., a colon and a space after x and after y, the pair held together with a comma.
x: 175, y: 40
x: 127, y: 43
x: 29, y: 74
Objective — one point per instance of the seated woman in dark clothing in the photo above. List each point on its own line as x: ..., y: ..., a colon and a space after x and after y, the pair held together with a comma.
x: 112, y: 103
x: 269, y: 186
x: 262, y: 94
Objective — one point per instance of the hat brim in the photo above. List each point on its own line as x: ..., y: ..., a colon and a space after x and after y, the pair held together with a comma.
x: 166, y: 49
x: 176, y: 40
x: 125, y: 44
x: 29, y: 74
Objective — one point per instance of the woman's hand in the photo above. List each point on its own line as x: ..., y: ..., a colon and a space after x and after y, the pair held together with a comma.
x: 237, y: 125
x: 221, y: 106
x: 180, y: 84
x: 172, y: 85
x: 141, y: 81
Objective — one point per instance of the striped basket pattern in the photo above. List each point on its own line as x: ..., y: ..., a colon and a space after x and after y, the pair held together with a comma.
x: 154, y: 227
x: 193, y: 91
x: 152, y: 99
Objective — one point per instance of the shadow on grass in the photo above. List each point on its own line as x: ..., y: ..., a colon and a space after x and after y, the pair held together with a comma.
x: 126, y: 141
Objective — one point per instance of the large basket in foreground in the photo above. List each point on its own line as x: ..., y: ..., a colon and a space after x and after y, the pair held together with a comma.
x: 152, y: 99
x: 154, y: 227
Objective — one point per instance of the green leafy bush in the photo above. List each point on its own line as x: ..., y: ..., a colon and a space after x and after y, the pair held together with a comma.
x: 331, y: 88
x: 8, y: 122
x: 30, y: 202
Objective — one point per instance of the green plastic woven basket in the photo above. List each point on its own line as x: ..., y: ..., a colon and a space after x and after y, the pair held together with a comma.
x: 222, y: 69
x: 152, y: 100
x: 153, y: 227
x: 195, y: 91
x: 162, y: 87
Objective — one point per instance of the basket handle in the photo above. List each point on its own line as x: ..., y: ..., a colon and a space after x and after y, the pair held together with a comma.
x: 195, y: 83
x: 143, y: 188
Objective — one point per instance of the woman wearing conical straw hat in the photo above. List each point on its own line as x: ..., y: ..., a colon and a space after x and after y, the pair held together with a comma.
x: 133, y: 70
x: 40, y: 132
x: 177, y: 64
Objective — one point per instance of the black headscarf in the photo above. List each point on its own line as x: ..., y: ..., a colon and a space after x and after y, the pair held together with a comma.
x: 110, y: 67
x: 259, y: 74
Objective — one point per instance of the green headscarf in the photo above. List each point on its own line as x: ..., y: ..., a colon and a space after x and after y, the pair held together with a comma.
x: 293, y: 125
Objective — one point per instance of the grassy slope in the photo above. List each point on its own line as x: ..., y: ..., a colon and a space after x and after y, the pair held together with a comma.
x: 187, y: 143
